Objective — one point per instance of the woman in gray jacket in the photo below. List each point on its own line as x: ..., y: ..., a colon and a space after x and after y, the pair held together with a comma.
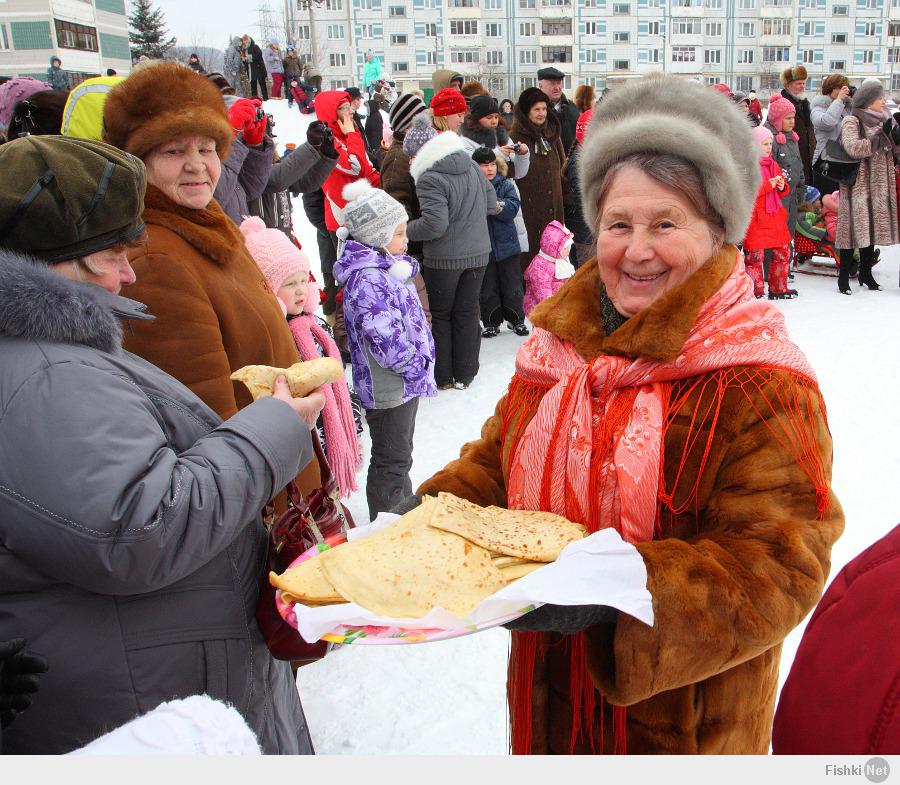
x: 827, y: 111
x: 131, y: 543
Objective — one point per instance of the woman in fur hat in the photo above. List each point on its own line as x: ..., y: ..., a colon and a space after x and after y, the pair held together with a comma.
x: 542, y: 188
x: 214, y: 312
x: 130, y: 515
x: 867, y: 212
x: 677, y: 411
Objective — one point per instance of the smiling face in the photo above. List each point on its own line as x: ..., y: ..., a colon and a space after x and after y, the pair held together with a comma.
x: 538, y: 113
x: 186, y: 170
x: 293, y: 292
x: 650, y: 238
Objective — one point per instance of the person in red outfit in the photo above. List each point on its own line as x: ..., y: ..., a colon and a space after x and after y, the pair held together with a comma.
x: 768, y: 229
x: 841, y: 696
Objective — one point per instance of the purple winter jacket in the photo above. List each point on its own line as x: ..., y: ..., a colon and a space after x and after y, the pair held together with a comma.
x: 391, y: 348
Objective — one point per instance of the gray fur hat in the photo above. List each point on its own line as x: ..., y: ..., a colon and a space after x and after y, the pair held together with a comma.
x: 870, y: 90
x: 671, y: 115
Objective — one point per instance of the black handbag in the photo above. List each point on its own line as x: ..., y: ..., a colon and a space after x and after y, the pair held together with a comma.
x: 836, y: 163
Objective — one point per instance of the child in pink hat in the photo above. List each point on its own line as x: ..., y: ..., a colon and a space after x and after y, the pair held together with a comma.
x: 286, y: 270
x: 550, y: 268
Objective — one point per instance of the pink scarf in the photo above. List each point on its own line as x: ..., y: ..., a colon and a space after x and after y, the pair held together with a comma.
x: 337, y: 416
x: 593, y: 450
x: 770, y: 169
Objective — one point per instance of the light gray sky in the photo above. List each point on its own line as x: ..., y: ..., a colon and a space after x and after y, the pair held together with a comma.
x: 212, y: 22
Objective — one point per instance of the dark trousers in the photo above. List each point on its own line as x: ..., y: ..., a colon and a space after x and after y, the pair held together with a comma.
x: 258, y: 77
x: 453, y: 298
x: 392, y: 430
x: 327, y: 242
x: 866, y: 257
x: 502, y: 291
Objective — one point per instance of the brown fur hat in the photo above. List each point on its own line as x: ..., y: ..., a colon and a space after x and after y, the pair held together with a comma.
x: 792, y: 74
x: 162, y: 102
x: 473, y: 88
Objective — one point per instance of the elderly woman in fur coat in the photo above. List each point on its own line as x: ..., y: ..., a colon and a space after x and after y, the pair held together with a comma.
x: 867, y: 213
x: 678, y: 411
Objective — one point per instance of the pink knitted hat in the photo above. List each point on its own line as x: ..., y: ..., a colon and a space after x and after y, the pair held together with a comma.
x: 16, y: 90
x: 277, y: 257
x: 779, y: 108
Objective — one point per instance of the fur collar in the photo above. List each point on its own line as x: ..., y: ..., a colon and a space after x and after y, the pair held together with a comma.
x: 210, y: 231
x: 657, y: 333
x: 524, y: 130
x: 434, y: 150
x: 40, y: 305
x: 821, y: 101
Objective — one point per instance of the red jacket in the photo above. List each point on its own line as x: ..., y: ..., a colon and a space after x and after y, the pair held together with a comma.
x: 767, y: 230
x: 756, y: 108
x: 353, y: 163
x: 841, y: 696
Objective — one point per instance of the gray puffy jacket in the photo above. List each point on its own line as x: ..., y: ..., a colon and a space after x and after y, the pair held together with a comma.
x: 455, y: 199
x: 131, y: 546
x: 826, y: 114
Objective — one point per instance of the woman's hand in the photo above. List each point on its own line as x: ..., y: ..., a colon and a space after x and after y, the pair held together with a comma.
x: 508, y: 149
x: 844, y: 93
x: 308, y: 407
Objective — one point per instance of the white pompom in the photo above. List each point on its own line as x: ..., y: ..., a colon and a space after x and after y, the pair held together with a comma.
x: 342, y: 232
x: 354, y: 190
x: 401, y: 270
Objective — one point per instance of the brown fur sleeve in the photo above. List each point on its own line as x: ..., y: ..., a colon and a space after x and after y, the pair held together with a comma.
x: 754, y: 569
x: 184, y: 339
x: 477, y: 475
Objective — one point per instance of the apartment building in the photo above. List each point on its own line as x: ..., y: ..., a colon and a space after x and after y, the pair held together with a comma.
x: 502, y: 43
x: 89, y: 36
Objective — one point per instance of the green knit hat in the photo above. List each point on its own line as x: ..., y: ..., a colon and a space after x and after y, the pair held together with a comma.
x: 63, y: 198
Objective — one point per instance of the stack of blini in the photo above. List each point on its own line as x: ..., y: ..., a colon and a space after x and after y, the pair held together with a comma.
x: 447, y: 553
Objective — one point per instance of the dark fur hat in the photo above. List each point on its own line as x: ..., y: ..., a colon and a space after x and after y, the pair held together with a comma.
x: 162, y: 102
x: 792, y: 74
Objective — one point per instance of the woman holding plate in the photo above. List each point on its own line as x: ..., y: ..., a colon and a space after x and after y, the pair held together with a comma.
x: 657, y: 396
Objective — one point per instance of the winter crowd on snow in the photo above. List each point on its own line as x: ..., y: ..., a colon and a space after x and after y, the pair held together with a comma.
x: 658, y: 391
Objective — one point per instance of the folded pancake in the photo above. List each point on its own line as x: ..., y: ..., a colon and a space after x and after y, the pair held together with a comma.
x: 516, y: 571
x: 306, y: 584
x: 302, y: 377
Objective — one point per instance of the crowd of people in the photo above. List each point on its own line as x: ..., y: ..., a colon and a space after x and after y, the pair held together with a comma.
x: 608, y: 233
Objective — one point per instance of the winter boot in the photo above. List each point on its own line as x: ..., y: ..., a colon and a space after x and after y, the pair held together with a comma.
x: 491, y: 331
x: 521, y: 329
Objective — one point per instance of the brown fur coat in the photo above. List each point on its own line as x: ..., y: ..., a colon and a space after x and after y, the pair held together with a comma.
x: 730, y: 577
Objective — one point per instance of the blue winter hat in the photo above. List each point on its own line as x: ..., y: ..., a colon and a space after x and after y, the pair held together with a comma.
x: 812, y: 193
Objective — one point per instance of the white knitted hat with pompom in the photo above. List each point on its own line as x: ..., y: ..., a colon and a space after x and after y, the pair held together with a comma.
x: 371, y: 215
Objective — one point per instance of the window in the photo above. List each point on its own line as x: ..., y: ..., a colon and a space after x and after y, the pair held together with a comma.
x: 652, y: 28
x: 714, y: 29
x: 527, y: 57
x: 895, y: 82
x: 713, y: 3
x: 869, y: 28
x: 683, y: 54
x: 840, y: 10
x: 556, y: 27
x: 837, y: 65
x: 747, y: 4
x: 463, y: 27
x: 685, y: 26
x: 365, y: 5
x: 893, y: 29
x: 654, y: 55
x: 526, y: 29
x: 592, y: 28
x: 431, y: 29
x: 875, y: 4
x: 893, y: 55
x: 72, y: 36
x: 492, y: 5
x: 806, y: 28
x: 397, y: 10
x: 464, y: 56
x: 526, y: 4
x: 527, y: 81
x: 365, y: 31
x: 594, y: 56
x: 556, y: 54
x: 337, y: 60
x: 839, y: 38
x: 621, y: 36
x: 4, y: 38
x: 621, y: 65
x: 778, y: 3
x: 493, y: 30
x: 747, y: 30
x: 712, y: 57
x: 493, y: 58
x: 775, y: 54
x: 745, y: 56
x: 868, y: 56
x: 556, y: 2
x: 431, y: 58
x: 776, y: 26
x: 400, y: 68
x: 303, y: 32
x: 335, y: 32
x: 339, y: 84
x: 334, y: 5
x: 622, y: 9
x: 743, y: 83
x: 398, y: 39
x: 807, y: 56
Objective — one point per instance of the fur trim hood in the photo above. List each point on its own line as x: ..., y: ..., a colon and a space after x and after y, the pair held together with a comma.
x: 158, y: 104
x: 434, y: 151
x: 40, y: 305
x: 669, y: 115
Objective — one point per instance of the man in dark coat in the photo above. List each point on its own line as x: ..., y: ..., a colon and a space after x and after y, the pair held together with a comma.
x: 257, y: 70
x: 374, y: 131
x: 794, y: 83
x: 550, y: 81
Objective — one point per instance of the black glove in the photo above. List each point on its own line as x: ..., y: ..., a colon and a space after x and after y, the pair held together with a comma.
x: 888, y: 126
x: 897, y: 116
x: 315, y: 134
x: 19, y: 671
x: 328, y: 150
x: 407, y: 504
x: 565, y: 619
x: 895, y: 134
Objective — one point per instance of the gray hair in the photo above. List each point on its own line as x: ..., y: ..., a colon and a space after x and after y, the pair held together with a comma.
x: 672, y: 172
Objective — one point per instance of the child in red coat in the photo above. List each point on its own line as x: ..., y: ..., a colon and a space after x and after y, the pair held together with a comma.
x: 768, y: 229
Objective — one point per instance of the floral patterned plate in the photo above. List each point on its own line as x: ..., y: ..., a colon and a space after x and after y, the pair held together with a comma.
x: 383, y: 635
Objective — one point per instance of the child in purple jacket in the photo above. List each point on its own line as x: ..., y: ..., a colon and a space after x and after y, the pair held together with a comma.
x: 391, y: 348
x: 550, y: 268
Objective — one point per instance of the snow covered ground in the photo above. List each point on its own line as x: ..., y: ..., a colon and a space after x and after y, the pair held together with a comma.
x: 448, y: 698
